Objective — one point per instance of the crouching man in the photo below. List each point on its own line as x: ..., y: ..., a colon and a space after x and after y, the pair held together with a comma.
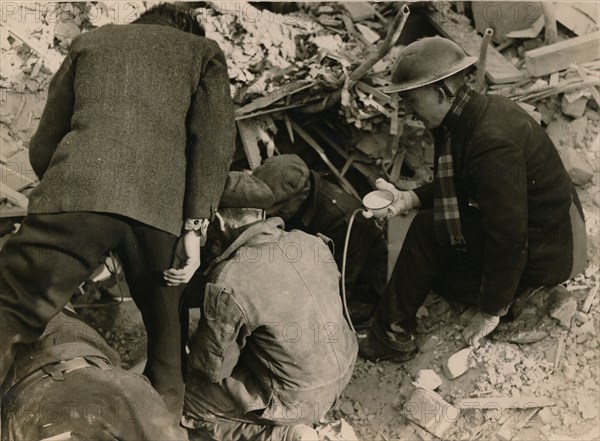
x: 307, y: 202
x: 67, y: 386
x: 501, y: 217
x: 272, y: 351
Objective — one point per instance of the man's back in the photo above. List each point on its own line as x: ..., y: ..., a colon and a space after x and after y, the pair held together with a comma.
x: 124, y: 149
x: 280, y: 292
x: 65, y: 383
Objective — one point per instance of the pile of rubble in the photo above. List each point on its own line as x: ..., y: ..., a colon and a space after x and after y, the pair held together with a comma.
x: 287, y: 64
x: 504, y: 390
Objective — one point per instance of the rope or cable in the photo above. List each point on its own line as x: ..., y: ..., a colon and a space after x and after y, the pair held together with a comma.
x: 344, y: 256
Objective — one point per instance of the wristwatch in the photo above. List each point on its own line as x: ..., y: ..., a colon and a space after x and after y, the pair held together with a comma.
x: 198, y: 226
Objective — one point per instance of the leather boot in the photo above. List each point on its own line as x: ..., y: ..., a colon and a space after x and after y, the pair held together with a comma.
x: 372, y: 348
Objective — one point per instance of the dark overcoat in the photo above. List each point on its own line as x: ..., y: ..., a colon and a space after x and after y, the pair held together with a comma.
x: 507, y: 166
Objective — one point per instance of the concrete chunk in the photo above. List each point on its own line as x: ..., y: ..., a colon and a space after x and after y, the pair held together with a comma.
x: 457, y: 364
x: 564, y: 312
x: 576, y: 108
x: 577, y: 166
x: 430, y: 411
x: 428, y: 379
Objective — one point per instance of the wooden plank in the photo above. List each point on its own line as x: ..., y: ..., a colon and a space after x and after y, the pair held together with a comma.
x: 365, y: 170
x: 574, y: 20
x: 584, y: 77
x: 21, y: 160
x: 591, y: 9
x: 249, y: 138
x: 506, y: 17
x: 12, y: 212
x: 13, y: 196
x: 556, y: 57
x: 503, y: 402
x: 385, y: 99
x: 10, y: 175
x: 273, y: 97
x: 317, y: 148
x: 498, y: 69
x: 359, y: 10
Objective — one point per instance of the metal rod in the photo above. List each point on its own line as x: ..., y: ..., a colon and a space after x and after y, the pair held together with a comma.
x: 485, y: 42
x: 392, y: 36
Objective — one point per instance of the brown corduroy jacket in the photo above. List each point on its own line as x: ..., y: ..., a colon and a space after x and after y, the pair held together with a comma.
x: 139, y: 122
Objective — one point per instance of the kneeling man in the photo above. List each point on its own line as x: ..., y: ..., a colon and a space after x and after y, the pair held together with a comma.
x: 272, y: 351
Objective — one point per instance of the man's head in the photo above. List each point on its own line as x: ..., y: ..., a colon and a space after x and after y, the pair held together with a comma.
x: 180, y: 17
x: 431, y: 103
x: 288, y: 177
x: 243, y: 203
x: 427, y: 75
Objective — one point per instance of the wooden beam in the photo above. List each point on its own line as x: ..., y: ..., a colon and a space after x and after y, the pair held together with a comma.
x: 503, y: 402
x: 365, y: 170
x: 12, y: 212
x: 550, y: 32
x: 247, y: 131
x: 573, y: 19
x: 559, y: 56
x: 13, y: 196
x: 359, y: 10
x: 10, y: 175
x: 498, y: 69
x: 317, y: 148
x: 374, y: 91
x: 272, y: 97
x: 584, y: 77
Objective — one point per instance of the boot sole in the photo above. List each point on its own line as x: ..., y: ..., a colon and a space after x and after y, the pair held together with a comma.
x: 398, y: 357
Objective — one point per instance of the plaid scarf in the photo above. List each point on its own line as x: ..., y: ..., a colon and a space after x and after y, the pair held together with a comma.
x: 445, y: 203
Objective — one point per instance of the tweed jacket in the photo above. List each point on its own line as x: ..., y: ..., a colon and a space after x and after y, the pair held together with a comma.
x: 506, y: 165
x: 272, y: 333
x: 139, y: 122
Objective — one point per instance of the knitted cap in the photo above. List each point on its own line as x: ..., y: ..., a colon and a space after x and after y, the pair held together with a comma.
x: 242, y: 190
x: 286, y: 176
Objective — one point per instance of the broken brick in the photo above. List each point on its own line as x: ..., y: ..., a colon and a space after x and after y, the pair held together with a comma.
x: 457, y: 364
x: 430, y: 411
x: 576, y: 109
x: 428, y: 379
x: 577, y: 166
x: 564, y: 312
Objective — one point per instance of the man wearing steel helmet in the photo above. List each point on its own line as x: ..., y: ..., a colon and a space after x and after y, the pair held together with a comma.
x: 501, y: 214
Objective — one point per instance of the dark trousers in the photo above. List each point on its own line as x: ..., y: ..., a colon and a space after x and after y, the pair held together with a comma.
x: 43, y: 264
x: 425, y: 265
x: 366, y: 261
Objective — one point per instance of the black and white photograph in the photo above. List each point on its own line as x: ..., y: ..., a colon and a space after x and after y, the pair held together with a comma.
x: 299, y: 221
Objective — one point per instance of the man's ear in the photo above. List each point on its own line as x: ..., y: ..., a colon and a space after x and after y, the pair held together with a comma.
x: 440, y: 94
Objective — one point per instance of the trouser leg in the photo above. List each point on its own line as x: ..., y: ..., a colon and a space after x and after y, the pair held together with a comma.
x: 42, y: 265
x: 373, y: 274
x: 424, y: 265
x: 240, y: 429
x: 146, y: 253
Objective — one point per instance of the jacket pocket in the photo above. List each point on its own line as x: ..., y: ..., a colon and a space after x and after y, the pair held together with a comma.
x: 213, y: 347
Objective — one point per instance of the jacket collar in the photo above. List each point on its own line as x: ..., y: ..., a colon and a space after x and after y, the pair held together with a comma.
x: 261, y: 232
x: 154, y: 19
x: 460, y: 123
x: 452, y: 119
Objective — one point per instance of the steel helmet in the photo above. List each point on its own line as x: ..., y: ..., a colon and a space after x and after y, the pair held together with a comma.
x: 426, y: 61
